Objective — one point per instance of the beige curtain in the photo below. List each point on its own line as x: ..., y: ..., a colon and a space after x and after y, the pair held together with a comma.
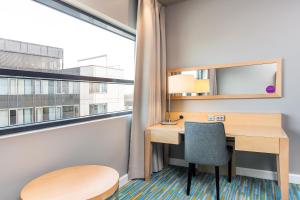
x: 213, y: 82
x: 150, y: 84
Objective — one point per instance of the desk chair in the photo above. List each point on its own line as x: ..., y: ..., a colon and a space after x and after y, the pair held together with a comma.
x: 205, y: 143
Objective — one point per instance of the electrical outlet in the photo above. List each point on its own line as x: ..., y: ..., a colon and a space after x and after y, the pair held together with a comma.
x: 220, y: 118
x: 211, y: 118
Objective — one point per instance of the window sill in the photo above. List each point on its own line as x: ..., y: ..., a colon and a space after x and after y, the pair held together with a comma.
x: 35, y: 128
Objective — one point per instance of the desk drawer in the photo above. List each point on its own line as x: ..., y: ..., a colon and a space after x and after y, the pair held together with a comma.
x: 168, y: 137
x: 257, y: 144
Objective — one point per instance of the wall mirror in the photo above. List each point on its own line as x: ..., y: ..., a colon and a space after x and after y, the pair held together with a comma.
x: 253, y: 79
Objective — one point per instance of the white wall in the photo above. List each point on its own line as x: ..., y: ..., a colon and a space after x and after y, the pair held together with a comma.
x: 25, y: 157
x: 203, y: 32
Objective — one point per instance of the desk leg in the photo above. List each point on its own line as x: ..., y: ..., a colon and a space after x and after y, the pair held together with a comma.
x: 148, y: 156
x: 283, y: 168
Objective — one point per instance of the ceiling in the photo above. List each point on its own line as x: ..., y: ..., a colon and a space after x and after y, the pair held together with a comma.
x: 168, y: 2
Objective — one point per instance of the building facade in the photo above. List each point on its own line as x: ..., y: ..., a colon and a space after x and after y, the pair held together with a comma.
x: 26, y: 100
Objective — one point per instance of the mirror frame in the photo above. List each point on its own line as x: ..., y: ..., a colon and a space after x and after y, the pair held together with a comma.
x: 278, y: 81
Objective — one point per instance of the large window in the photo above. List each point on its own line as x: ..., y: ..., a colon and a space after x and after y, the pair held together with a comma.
x: 61, y: 64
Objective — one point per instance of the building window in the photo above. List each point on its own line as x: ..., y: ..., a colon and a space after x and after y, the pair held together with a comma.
x: 65, y: 87
x: 4, y: 118
x: 13, y: 86
x: 68, y: 112
x: 39, y: 114
x: 28, y: 87
x: 98, y: 108
x: 76, y: 110
x: 46, y: 114
x: 21, y: 88
x: 76, y: 87
x: 58, y: 114
x: 44, y: 86
x: 37, y: 87
x: 20, y: 116
x: 3, y: 86
x: 51, y: 87
x: 12, y: 117
x: 98, y: 88
x: 58, y: 87
x: 28, y: 115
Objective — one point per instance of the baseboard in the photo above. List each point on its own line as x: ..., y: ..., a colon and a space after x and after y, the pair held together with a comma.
x: 255, y: 173
x: 123, y: 180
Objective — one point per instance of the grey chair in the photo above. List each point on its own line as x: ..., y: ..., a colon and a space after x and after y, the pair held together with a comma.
x: 205, y: 143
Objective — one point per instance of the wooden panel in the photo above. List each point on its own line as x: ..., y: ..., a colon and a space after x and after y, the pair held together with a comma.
x: 165, y: 136
x: 257, y: 144
x: 283, y: 164
x: 148, y: 155
x: 240, y: 119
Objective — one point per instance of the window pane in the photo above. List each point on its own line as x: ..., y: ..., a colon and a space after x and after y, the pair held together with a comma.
x: 45, y: 114
x: 39, y: 114
x: 20, y: 116
x: 103, y: 88
x: 65, y: 87
x: 58, y: 113
x: 13, y: 117
x: 28, y: 116
x: 38, y: 87
x: 3, y: 86
x: 58, y: 87
x: 71, y: 88
x: 3, y: 118
x: 28, y: 86
x: 51, y: 87
x: 20, y: 86
x: 44, y: 87
x: 52, y: 111
x: 13, y: 86
x: 76, y: 108
x: 68, y: 112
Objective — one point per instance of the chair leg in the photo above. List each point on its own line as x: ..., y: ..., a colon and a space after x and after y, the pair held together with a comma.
x: 230, y: 170
x: 217, y: 182
x: 190, y: 173
x: 194, y: 169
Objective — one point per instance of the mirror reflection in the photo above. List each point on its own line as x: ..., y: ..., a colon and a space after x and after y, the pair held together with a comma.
x: 237, y: 80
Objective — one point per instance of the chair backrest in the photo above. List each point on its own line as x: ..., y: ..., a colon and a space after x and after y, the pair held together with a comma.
x: 205, y: 143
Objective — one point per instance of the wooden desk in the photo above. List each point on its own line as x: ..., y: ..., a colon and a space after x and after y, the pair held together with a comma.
x: 94, y: 182
x: 260, y: 133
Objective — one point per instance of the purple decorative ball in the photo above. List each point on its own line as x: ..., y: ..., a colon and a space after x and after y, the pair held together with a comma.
x: 270, y: 89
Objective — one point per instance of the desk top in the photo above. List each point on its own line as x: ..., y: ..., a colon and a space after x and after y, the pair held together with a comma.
x: 232, y: 130
x: 79, y: 182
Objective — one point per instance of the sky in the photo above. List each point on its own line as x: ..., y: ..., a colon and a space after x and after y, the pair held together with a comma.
x: 28, y: 21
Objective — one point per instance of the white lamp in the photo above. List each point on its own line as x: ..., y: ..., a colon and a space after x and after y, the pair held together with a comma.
x: 202, y: 86
x: 179, y: 84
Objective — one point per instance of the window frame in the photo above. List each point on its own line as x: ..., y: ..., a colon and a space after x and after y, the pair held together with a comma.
x: 24, y: 74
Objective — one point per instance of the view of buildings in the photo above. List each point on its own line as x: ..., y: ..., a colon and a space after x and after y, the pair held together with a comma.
x: 25, y: 100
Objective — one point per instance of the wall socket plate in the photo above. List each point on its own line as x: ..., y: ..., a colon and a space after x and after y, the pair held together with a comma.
x: 211, y: 118
x: 220, y: 118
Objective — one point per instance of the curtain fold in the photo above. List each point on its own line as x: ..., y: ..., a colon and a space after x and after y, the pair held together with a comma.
x: 213, y: 82
x: 149, y: 105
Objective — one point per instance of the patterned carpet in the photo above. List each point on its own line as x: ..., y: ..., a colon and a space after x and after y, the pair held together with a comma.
x: 171, y: 184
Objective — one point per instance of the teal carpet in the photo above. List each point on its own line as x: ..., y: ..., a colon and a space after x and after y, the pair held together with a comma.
x: 170, y: 183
